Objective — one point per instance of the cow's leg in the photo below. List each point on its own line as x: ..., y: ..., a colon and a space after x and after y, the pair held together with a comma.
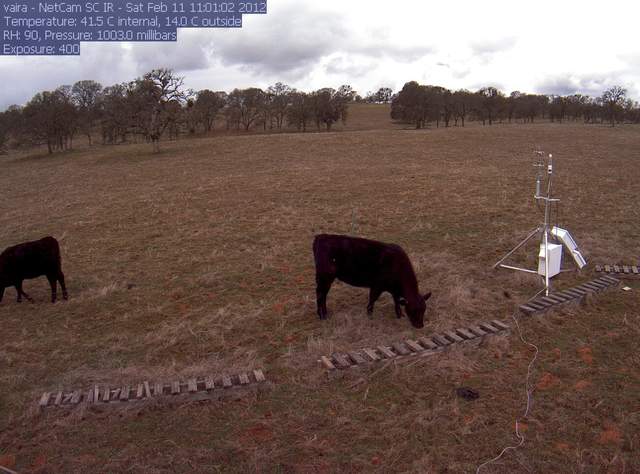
x: 52, y: 283
x: 323, y: 285
x: 398, y: 308
x: 374, y: 294
x: 21, y: 292
x: 62, y: 285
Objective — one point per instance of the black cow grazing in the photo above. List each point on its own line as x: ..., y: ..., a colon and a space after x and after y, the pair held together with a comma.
x: 31, y: 260
x: 368, y: 264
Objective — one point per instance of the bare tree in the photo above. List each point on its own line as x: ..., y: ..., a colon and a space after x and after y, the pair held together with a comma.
x: 156, y: 93
x: 490, y: 103
x: 462, y: 101
x: 301, y: 110
x: 613, y: 99
x: 86, y: 96
x: 51, y: 118
x: 247, y: 105
x: 280, y: 100
x: 207, y: 107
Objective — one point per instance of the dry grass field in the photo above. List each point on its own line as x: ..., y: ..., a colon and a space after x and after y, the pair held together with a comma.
x: 198, y: 260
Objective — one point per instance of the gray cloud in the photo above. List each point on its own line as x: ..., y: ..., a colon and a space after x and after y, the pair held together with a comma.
x: 191, y: 52
x: 293, y: 44
x: 593, y: 85
x: 347, y: 66
x: 25, y: 76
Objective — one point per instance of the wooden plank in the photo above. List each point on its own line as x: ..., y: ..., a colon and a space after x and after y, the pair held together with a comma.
x: 440, y: 340
x: 598, y: 268
x: 147, y: 389
x: 568, y: 295
x: 356, y: 357
x: 259, y: 376
x: 534, y: 305
x: 106, y: 395
x: 538, y: 303
x: 140, y: 391
x: 625, y: 268
x: 58, y: 399
x: 547, y: 300
x: 478, y: 330
x: 452, y: 336
x: 371, y: 354
x: 613, y: 281
x: 192, y: 385
x: 158, y: 388
x: 528, y: 309
x: 559, y: 298
x: 89, y: 396
x: 428, y: 343
x: 75, y: 399
x: 413, y: 345
x: 210, y: 385
x: 124, y: 394
x: 488, y: 328
x: 175, y: 387
x: 96, y: 394
x: 635, y: 270
x: 115, y: 394
x: 462, y: 332
x: 576, y: 291
x: 244, y: 379
x: 400, y: 348
x: 386, y: 352
x: 226, y: 381
x: 607, y: 268
x: 327, y: 363
x: 67, y: 398
x: 616, y: 268
x: 44, y: 400
x: 591, y: 286
x: 500, y: 324
x: 341, y: 360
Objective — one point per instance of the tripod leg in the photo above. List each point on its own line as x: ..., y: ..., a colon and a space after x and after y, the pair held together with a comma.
x: 511, y: 252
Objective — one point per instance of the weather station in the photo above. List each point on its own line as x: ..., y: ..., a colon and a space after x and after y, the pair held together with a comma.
x: 551, y: 237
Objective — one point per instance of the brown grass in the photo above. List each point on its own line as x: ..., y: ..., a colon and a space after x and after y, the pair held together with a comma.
x: 198, y: 260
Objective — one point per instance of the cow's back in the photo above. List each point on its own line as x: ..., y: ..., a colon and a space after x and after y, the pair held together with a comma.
x: 357, y: 261
x: 32, y: 259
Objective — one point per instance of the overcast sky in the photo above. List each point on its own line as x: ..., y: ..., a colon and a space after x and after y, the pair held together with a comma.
x: 559, y: 47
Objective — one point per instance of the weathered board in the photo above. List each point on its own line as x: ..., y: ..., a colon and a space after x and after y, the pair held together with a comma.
x: 626, y: 270
x: 142, y: 391
x: 544, y: 303
x: 412, y: 348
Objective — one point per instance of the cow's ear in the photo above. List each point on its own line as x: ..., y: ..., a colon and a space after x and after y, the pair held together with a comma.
x: 402, y: 301
x: 426, y: 296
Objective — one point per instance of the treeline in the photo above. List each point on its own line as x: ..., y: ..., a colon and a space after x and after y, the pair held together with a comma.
x: 423, y: 104
x: 157, y: 106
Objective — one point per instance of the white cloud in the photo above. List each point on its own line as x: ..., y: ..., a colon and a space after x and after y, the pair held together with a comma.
x: 537, y: 46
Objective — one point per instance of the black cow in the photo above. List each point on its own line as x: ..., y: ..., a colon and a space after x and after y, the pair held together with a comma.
x: 368, y: 264
x: 31, y: 260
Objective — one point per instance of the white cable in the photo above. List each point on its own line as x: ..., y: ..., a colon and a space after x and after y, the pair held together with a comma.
x: 526, y: 412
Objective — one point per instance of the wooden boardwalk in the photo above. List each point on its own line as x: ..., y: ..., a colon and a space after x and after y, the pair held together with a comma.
x: 203, y: 387
x: 423, y: 346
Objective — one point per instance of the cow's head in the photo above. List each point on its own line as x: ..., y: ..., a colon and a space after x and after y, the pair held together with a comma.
x: 415, y: 308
